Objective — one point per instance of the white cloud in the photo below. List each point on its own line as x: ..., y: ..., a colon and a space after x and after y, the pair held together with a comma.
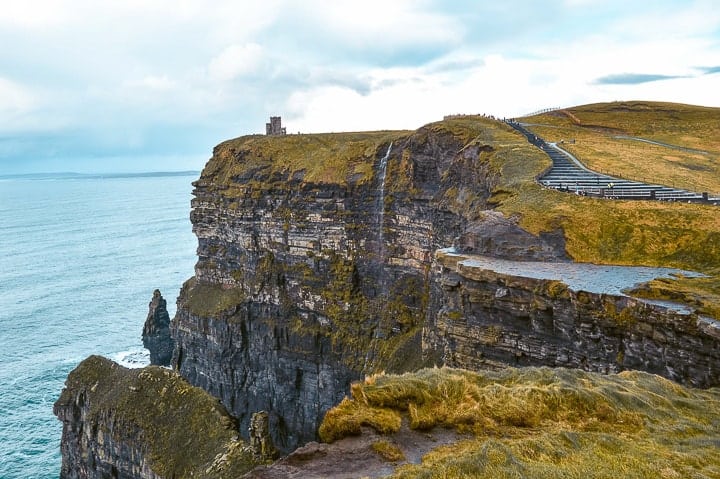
x: 389, y: 23
x: 164, y: 66
x: 33, y: 15
x: 15, y: 98
x: 236, y: 61
x: 156, y: 83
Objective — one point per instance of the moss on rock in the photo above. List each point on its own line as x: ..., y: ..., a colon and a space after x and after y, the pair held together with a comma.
x: 183, y: 430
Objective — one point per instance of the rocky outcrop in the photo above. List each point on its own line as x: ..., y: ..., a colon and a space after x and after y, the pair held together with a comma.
x: 483, y: 319
x: 492, y: 234
x: 144, y: 424
x: 156, y: 332
x: 303, y: 286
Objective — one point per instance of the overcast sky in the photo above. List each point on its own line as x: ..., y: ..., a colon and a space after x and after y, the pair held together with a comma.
x: 147, y: 85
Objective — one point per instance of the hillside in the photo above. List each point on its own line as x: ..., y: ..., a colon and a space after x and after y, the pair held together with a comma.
x: 607, y: 137
x: 652, y: 233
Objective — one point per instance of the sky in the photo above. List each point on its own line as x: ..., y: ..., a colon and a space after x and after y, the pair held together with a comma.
x: 152, y: 85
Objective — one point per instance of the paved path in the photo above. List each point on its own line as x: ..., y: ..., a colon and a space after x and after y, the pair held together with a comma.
x: 569, y: 174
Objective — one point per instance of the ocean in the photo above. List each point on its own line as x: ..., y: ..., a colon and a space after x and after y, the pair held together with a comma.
x: 80, y: 257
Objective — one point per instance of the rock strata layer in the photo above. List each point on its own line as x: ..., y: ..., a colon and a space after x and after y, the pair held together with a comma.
x: 484, y: 319
x: 156, y: 332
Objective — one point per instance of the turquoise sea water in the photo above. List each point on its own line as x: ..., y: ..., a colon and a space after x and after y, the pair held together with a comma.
x: 79, y: 260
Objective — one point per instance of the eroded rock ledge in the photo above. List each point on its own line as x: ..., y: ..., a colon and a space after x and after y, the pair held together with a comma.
x: 484, y: 319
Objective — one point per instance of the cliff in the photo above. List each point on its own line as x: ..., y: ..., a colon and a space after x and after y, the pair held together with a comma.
x: 484, y: 319
x: 144, y: 424
x: 317, y: 266
x: 309, y: 279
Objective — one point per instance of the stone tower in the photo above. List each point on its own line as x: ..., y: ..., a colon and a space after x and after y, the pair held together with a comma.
x: 274, y: 127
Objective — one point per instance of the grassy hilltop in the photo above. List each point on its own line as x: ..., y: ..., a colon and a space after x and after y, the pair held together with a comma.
x: 642, y: 232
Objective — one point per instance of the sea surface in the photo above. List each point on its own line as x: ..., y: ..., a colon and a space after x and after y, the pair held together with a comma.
x: 80, y: 257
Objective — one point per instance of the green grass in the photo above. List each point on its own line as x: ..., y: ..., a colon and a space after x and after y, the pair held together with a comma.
x: 339, y: 158
x: 541, y: 422
x: 209, y: 299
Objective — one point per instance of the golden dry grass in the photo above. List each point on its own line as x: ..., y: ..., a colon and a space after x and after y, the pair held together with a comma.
x: 541, y: 422
x: 695, y: 131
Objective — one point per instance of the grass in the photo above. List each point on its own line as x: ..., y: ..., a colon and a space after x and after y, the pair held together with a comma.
x: 329, y: 158
x: 541, y: 422
x: 701, y: 293
x: 156, y: 408
x: 630, y: 232
x: 388, y: 451
x: 695, y: 131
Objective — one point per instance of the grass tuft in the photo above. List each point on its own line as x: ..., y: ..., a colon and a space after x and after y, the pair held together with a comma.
x: 388, y: 451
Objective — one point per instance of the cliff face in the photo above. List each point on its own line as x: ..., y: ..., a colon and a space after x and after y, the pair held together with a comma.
x: 482, y: 319
x: 302, y: 287
x: 143, y: 424
x: 310, y: 278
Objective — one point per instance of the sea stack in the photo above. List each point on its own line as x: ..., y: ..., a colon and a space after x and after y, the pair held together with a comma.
x: 156, y: 332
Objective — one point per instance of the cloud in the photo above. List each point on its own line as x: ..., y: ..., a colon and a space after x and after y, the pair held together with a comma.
x: 236, y: 61
x: 15, y: 98
x: 142, y: 77
x: 633, y: 78
x: 155, y: 83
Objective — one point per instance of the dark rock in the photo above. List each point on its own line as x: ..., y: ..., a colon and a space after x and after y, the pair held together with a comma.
x: 499, y: 237
x: 156, y: 332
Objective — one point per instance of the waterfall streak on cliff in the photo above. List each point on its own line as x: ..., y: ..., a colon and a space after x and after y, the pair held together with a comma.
x: 380, y: 206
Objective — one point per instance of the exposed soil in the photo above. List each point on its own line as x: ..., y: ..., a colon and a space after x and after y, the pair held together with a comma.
x: 353, y: 457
